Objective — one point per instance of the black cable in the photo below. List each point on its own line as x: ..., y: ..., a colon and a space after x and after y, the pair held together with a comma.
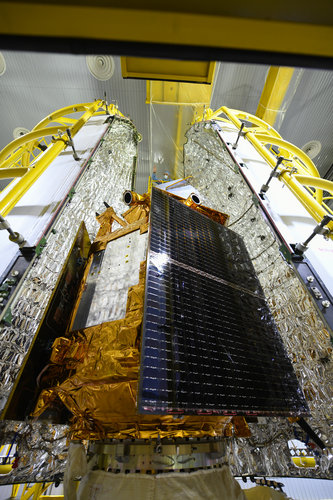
x: 239, y: 218
x: 254, y: 258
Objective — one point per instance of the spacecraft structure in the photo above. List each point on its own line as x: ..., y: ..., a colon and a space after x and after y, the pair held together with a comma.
x: 170, y: 331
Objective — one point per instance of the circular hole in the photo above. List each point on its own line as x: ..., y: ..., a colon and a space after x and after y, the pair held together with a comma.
x: 195, y: 198
x: 127, y: 197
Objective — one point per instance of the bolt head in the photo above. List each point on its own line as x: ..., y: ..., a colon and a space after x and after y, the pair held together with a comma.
x: 310, y: 279
x: 326, y: 303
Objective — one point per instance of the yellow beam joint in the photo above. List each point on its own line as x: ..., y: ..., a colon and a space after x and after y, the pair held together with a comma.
x: 275, y: 88
x: 308, y: 168
x: 9, y: 173
x: 26, y: 139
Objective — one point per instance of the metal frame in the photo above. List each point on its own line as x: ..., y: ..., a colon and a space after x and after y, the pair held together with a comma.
x: 23, y: 158
x: 299, y: 174
x: 208, y: 25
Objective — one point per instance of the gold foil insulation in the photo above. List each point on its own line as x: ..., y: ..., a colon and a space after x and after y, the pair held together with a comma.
x: 103, y: 365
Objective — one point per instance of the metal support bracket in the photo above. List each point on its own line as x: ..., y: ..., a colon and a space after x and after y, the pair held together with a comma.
x: 274, y: 173
x: 300, y: 248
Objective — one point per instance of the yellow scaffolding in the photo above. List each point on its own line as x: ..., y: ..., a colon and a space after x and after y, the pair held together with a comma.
x: 300, y: 175
x: 29, y: 156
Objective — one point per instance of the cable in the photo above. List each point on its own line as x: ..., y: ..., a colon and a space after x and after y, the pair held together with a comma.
x: 239, y: 218
x: 254, y: 258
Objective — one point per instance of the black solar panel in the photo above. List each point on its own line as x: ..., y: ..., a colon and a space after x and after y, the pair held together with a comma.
x: 209, y: 341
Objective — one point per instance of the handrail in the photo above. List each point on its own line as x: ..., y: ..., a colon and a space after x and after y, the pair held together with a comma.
x: 298, y: 175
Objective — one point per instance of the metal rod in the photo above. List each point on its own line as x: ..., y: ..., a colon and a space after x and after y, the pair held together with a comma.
x: 234, y: 146
x: 71, y: 143
x: 274, y: 173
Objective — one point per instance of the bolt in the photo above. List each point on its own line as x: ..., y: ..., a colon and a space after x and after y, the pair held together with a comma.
x: 15, y: 272
x: 310, y: 279
x: 326, y: 303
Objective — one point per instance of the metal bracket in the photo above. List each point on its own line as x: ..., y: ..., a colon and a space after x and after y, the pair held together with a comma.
x: 255, y: 200
x: 274, y: 173
x: 285, y: 253
x: 40, y: 246
x: 319, y: 229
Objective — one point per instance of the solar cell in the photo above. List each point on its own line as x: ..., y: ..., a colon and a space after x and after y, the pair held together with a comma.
x: 209, y: 341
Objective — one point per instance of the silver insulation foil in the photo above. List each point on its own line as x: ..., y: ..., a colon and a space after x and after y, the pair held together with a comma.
x: 108, y: 175
x: 305, y: 337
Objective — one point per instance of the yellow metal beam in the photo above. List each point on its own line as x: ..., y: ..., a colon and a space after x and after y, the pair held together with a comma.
x: 41, y: 164
x: 296, y: 183
x: 309, y: 167
x: 182, y: 94
x: 167, y: 69
x: 27, y: 139
x: 15, y: 490
x: 9, y: 173
x: 274, y: 91
x: 60, y: 113
x: 211, y: 26
x: 178, y: 139
x: 242, y: 115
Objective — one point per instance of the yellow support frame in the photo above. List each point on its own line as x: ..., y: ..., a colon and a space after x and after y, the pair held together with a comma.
x: 17, y: 158
x: 274, y: 91
x: 298, y: 175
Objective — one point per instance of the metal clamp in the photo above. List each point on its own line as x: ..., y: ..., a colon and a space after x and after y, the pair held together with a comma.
x: 274, y: 173
x: 68, y: 142
x: 319, y: 229
x: 13, y: 236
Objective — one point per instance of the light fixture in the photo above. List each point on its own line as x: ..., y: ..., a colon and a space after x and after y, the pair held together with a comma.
x: 101, y: 67
x: 19, y: 131
x: 312, y: 148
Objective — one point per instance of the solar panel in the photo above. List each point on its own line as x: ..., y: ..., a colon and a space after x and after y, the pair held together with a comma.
x: 209, y: 341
